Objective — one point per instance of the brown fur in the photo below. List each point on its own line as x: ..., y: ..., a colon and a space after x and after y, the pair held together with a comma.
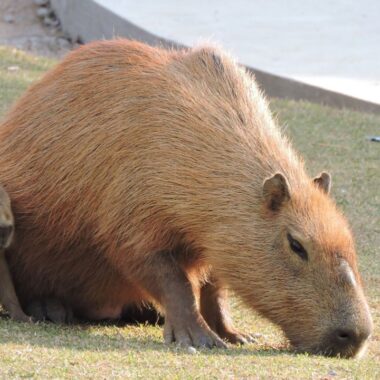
x: 137, y: 174
x: 8, y: 297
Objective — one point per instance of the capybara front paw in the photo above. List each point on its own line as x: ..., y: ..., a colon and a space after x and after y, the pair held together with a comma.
x: 192, y: 335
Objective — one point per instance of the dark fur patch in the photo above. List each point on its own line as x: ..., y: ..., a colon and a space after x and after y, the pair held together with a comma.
x: 217, y: 63
x: 211, y: 58
x: 240, y: 116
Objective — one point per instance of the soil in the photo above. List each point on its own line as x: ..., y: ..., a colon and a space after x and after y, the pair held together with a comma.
x: 21, y: 28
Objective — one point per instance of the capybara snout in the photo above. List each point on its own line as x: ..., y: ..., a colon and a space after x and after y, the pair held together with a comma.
x: 347, y: 341
x: 344, y: 333
x: 351, y: 323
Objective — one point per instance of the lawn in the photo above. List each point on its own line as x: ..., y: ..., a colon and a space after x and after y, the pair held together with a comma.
x: 329, y: 139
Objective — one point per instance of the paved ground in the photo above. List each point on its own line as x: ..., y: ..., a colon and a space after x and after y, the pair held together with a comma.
x: 20, y: 27
x: 331, y: 44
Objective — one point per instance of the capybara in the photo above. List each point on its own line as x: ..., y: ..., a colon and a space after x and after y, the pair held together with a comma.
x: 8, y: 297
x: 143, y: 175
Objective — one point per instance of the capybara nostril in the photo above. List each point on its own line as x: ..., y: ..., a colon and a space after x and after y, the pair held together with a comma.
x: 346, y: 341
x: 345, y: 336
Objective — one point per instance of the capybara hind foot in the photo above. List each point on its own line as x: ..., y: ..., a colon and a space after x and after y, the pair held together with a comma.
x: 216, y: 312
x: 21, y: 317
x: 16, y: 314
x: 50, y: 310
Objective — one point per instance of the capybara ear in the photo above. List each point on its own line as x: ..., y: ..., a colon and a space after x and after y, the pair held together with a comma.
x: 323, y: 181
x: 276, y: 191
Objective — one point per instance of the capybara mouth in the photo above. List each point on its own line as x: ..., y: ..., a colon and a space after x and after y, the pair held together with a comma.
x: 324, y: 351
x: 347, y: 352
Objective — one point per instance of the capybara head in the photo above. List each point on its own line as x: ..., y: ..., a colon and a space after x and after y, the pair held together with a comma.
x: 312, y: 287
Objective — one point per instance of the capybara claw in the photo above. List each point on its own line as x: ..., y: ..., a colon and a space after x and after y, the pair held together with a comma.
x: 233, y: 336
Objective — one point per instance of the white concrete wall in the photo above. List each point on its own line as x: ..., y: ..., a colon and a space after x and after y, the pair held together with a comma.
x: 320, y: 50
x: 331, y: 44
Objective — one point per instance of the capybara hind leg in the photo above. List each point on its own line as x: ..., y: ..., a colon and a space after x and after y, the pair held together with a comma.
x: 8, y: 296
x: 50, y: 310
x: 170, y: 287
x: 216, y: 312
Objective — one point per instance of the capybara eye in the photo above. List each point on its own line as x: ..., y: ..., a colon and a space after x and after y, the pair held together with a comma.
x: 297, y: 247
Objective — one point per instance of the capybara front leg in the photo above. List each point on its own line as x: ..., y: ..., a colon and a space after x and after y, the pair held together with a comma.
x: 216, y: 312
x: 8, y: 296
x: 169, y: 285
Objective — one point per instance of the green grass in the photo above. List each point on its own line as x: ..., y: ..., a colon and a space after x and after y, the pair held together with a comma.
x: 329, y: 139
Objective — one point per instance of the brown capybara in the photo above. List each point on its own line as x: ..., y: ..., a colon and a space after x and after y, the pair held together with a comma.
x: 8, y: 297
x: 141, y: 175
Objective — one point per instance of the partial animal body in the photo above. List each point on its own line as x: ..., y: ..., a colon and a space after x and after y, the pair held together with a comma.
x: 141, y: 175
x: 8, y: 297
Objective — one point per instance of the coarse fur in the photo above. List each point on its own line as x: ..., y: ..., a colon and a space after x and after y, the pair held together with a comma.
x: 139, y: 174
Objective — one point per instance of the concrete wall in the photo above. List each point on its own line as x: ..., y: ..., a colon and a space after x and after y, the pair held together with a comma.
x: 87, y: 20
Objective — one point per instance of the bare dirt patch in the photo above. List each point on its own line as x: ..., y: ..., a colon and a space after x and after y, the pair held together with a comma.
x: 20, y: 27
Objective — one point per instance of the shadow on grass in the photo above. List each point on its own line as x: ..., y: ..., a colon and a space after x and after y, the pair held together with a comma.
x: 91, y: 337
